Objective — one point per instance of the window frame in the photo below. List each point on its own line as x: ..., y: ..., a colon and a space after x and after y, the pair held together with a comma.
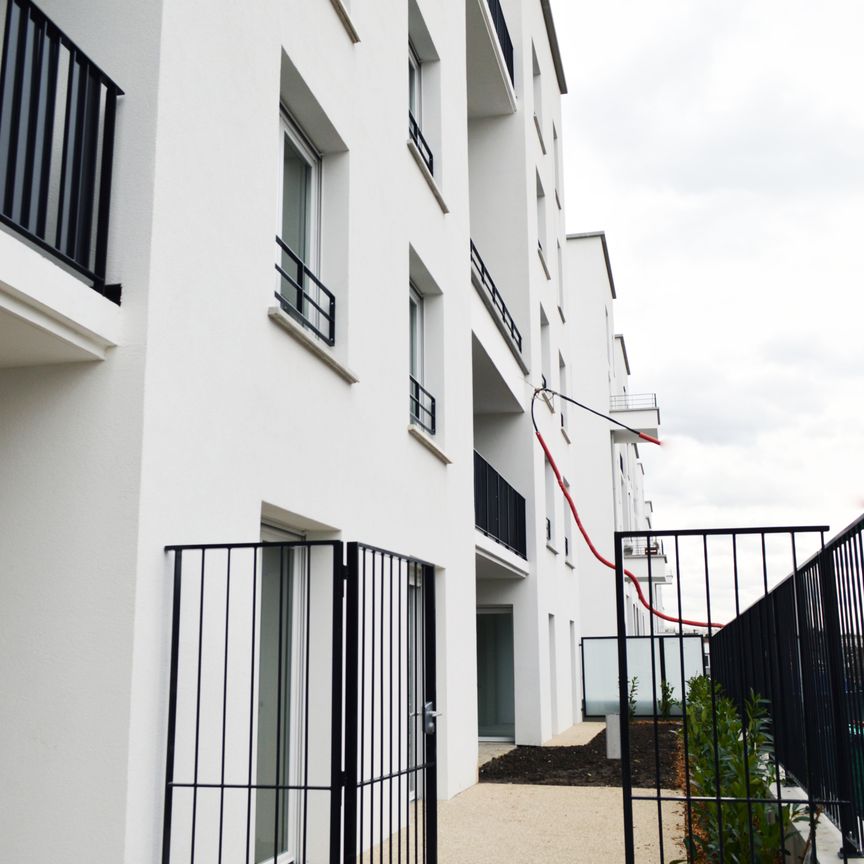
x: 415, y: 85
x: 416, y: 334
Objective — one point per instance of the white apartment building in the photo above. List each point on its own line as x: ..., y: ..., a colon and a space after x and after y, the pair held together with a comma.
x: 286, y: 273
x: 609, y: 463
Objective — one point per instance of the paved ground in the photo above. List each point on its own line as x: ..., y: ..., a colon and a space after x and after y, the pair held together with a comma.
x: 493, y: 823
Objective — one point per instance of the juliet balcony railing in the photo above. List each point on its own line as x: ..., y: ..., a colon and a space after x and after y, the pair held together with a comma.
x: 57, y: 120
x: 420, y: 142
x: 496, y: 298
x: 499, y: 510
x: 421, y: 405
x: 304, y: 297
x: 504, y: 39
x: 633, y: 402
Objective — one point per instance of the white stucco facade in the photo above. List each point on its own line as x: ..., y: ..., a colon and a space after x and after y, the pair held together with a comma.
x: 199, y: 409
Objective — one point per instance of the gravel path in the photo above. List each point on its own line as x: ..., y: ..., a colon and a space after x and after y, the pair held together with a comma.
x: 492, y: 823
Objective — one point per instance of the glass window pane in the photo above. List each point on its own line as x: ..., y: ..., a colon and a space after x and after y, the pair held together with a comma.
x: 274, y: 703
x: 296, y: 201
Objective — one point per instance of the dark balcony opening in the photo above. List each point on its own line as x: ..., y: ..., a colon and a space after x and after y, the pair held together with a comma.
x: 499, y: 510
x: 57, y: 118
x: 420, y: 142
x: 497, y: 300
x: 504, y: 39
x: 304, y: 297
x: 421, y: 405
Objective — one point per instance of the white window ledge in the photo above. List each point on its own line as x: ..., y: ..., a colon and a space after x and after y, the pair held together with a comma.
x: 566, y: 434
x: 569, y: 563
x: 561, y: 313
x: 551, y: 548
x: 427, y: 176
x: 426, y: 440
x: 312, y: 345
x: 558, y: 199
x: 545, y: 265
x: 547, y: 398
x: 345, y: 18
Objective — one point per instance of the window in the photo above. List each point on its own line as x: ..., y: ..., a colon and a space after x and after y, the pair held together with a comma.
x: 538, y: 96
x: 562, y: 388
x: 560, y: 263
x: 280, y: 692
x: 421, y: 402
x: 301, y: 294
x: 545, y: 352
x: 557, y: 158
x: 541, y: 223
x: 551, y: 485
x: 424, y: 93
x: 568, y: 528
x: 415, y: 84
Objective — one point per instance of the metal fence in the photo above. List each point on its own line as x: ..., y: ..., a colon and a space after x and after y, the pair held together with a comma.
x: 499, y: 510
x: 793, y: 644
x: 301, y: 720
x: 801, y: 648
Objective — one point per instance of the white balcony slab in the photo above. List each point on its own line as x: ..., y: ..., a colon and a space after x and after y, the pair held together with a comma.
x: 646, y: 420
x: 490, y: 91
x: 47, y: 315
x: 495, y: 561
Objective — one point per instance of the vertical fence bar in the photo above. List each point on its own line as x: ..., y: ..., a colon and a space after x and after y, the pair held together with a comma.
x: 224, y: 707
x: 352, y: 637
x: 172, y: 710
x: 843, y: 760
x: 623, y: 704
x: 431, y: 744
x: 337, y: 775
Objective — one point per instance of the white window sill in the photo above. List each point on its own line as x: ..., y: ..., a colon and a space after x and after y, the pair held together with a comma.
x: 566, y: 434
x: 345, y: 18
x: 427, y: 176
x: 561, y: 313
x: 569, y: 563
x: 540, y: 133
x: 549, y: 403
x: 278, y: 316
x: 426, y: 440
x: 551, y: 548
x: 545, y: 265
x: 558, y: 200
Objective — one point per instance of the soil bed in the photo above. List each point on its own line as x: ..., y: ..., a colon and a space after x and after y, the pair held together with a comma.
x: 587, y: 764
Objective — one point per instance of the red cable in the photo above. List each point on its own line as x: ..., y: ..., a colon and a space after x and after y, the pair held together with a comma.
x: 605, y: 561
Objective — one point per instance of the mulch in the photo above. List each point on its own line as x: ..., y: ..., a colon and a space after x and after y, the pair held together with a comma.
x: 587, y: 765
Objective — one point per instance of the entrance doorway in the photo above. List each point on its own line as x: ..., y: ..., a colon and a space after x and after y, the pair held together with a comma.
x: 496, y: 707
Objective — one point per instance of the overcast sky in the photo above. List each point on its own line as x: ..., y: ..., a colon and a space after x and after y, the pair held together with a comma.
x: 721, y: 148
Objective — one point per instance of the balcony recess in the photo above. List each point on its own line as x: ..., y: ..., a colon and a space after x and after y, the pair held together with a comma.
x: 499, y: 510
x: 638, y: 411
x: 491, y: 69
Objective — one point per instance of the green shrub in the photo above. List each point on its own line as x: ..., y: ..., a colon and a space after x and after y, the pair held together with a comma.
x: 731, y: 769
x: 667, y: 699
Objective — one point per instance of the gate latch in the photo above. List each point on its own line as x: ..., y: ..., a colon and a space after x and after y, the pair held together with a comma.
x: 429, y: 715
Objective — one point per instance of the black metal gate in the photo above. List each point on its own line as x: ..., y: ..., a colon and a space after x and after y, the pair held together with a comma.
x: 765, y: 753
x: 301, y: 715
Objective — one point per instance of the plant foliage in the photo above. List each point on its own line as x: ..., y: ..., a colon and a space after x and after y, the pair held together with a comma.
x: 733, y: 832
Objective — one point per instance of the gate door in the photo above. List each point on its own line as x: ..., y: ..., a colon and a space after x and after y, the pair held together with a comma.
x: 390, y: 709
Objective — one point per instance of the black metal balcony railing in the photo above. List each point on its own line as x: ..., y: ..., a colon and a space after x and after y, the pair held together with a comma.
x: 497, y: 299
x: 56, y: 104
x: 499, y: 510
x: 504, y: 39
x: 421, y: 405
x: 633, y: 402
x: 420, y: 142
x: 316, y: 311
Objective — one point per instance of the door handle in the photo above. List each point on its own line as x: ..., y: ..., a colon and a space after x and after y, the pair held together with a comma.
x: 429, y: 718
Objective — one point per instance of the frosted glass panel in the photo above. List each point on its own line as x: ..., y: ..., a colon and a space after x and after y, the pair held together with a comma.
x: 600, y: 659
